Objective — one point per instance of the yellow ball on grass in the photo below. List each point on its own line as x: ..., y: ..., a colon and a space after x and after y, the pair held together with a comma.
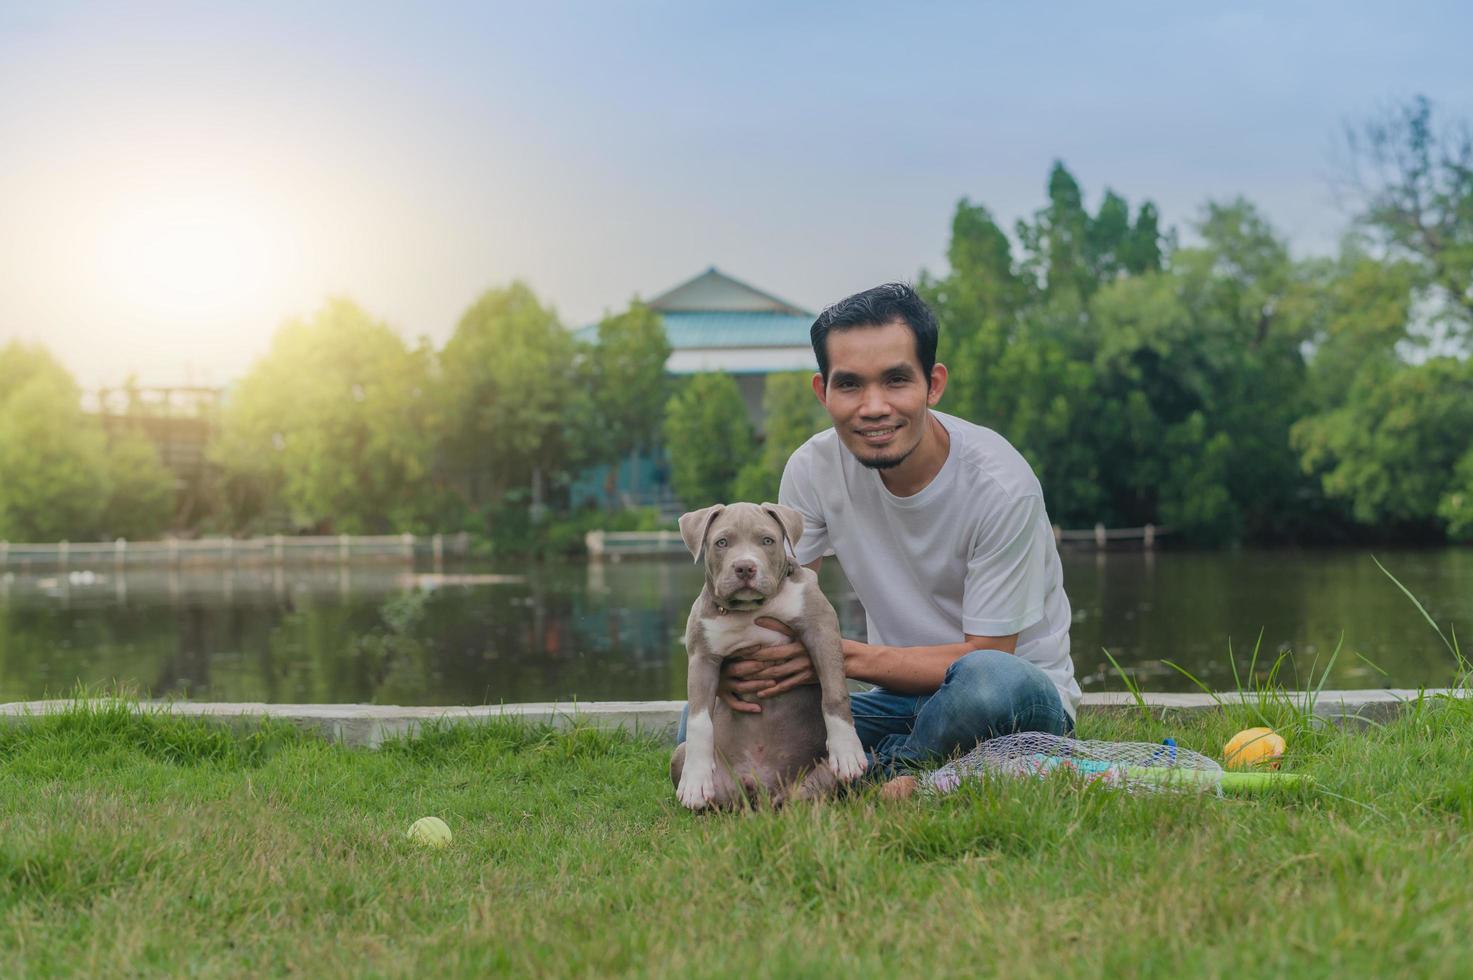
x: 1254, y: 747
x: 429, y: 831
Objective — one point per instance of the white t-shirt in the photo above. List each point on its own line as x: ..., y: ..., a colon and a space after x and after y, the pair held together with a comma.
x: 972, y: 552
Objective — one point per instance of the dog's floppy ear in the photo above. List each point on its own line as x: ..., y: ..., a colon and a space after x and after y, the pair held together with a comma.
x: 693, y: 527
x: 790, y: 519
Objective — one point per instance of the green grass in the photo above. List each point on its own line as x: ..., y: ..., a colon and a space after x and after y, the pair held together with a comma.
x: 145, y: 844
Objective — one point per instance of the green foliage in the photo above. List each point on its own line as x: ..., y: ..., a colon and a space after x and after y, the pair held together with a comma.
x: 60, y: 478
x: 1456, y: 505
x: 1418, y: 203
x: 1140, y: 394
x: 619, y: 400
x: 1069, y: 254
x: 791, y: 415
x: 53, y: 464
x: 507, y: 381
x: 337, y: 423
x: 142, y: 490
x: 1396, y: 449
x: 709, y: 439
x: 22, y: 363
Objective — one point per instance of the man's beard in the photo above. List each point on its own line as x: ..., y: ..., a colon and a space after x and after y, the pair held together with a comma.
x: 886, y: 462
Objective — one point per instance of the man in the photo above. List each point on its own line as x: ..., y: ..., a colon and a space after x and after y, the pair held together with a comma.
x: 940, y: 528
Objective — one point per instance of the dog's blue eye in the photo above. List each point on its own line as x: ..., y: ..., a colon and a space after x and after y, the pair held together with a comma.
x: 721, y: 542
x: 768, y: 541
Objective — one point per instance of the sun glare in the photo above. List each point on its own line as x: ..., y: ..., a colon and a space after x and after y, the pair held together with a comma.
x: 190, y: 257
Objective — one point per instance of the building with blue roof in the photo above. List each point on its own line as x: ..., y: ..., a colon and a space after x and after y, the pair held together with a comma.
x: 714, y: 323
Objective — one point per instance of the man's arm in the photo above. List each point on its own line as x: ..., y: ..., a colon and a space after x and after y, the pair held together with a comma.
x: 907, y: 670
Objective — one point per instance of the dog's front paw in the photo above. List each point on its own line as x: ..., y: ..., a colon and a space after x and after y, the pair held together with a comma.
x: 846, y: 756
x: 697, y: 787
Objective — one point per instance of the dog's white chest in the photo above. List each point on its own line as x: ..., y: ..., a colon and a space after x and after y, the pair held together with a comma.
x: 725, y: 633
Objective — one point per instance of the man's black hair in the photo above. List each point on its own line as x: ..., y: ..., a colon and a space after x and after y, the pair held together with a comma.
x: 878, y: 307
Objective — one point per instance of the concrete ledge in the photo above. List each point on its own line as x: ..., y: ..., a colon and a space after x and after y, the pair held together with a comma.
x: 370, y: 724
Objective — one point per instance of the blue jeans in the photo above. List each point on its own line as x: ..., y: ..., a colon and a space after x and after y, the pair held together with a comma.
x: 985, y: 694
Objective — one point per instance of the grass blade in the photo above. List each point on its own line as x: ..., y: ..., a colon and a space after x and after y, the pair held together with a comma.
x: 1130, y: 685
x: 1430, y: 621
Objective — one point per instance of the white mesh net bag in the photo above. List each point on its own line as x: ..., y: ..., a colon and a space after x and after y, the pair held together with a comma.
x: 1128, y: 765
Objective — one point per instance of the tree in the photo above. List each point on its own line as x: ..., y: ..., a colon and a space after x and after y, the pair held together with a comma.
x: 1056, y: 243
x: 1069, y: 254
x: 20, y: 363
x: 507, y: 383
x: 1415, y: 186
x: 1140, y: 252
x: 1397, y: 449
x: 1140, y: 394
x: 791, y: 415
x: 337, y: 423
x: 140, y: 503
x: 621, y: 395
x: 53, y: 472
x: 709, y: 439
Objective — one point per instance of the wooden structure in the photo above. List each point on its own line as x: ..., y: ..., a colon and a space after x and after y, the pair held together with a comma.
x: 178, y: 420
x: 616, y: 545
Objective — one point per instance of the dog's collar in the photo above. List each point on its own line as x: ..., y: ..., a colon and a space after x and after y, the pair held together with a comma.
x: 723, y: 610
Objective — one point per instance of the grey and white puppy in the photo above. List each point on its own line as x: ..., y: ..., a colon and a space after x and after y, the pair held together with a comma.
x: 803, y: 741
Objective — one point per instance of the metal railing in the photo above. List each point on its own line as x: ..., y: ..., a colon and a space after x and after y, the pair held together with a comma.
x: 639, y: 544
x: 620, y: 544
x: 1101, y: 536
x: 277, y: 549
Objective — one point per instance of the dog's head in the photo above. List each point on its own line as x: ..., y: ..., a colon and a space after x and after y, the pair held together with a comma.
x: 746, y: 563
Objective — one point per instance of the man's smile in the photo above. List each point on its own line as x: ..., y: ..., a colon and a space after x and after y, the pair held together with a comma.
x: 877, y: 435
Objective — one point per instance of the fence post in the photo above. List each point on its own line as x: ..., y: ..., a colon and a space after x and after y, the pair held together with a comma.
x: 173, y: 551
x: 120, y: 553
x: 1099, y: 535
x: 1058, y: 535
x: 1150, y: 536
x: 437, y: 548
x: 276, y: 547
x: 65, y: 549
x: 593, y: 541
x: 342, y: 548
x: 407, y: 541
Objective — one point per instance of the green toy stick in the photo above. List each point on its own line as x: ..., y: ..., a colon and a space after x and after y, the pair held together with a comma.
x: 1238, y: 783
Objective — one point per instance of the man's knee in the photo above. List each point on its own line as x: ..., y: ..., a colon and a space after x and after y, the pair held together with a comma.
x: 1000, y: 693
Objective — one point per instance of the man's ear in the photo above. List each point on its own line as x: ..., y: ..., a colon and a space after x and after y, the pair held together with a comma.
x: 937, y: 385
x: 790, y: 519
x: 693, y: 527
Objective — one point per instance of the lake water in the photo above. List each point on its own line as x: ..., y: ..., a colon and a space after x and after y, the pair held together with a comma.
x: 613, y: 631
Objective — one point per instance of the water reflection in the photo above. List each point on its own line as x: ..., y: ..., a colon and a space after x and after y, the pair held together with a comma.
x: 614, y: 631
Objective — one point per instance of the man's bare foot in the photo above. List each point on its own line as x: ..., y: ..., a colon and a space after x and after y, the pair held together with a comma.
x: 899, y: 788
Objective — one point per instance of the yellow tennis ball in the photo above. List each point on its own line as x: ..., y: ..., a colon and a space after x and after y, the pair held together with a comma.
x: 429, y: 831
x: 1254, y: 747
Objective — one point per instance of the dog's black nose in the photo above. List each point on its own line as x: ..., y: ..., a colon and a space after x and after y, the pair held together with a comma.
x: 744, y: 569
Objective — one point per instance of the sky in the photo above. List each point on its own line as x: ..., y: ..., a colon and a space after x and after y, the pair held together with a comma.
x: 178, y: 180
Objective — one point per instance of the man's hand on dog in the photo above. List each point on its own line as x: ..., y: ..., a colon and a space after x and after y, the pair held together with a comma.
x: 765, y: 671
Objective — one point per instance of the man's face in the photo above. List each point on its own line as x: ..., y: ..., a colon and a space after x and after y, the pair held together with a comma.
x: 876, y: 393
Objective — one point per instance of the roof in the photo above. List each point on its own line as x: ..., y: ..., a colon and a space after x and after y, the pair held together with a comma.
x: 716, y: 312
x: 714, y: 291
x: 688, y: 330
